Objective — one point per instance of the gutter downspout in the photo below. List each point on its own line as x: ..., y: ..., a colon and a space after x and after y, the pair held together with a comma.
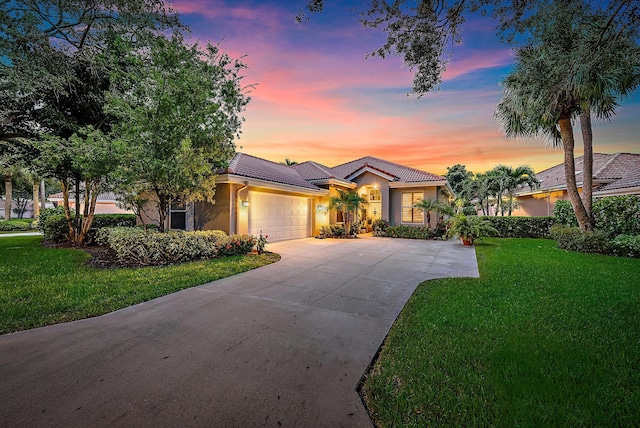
x: 237, y: 225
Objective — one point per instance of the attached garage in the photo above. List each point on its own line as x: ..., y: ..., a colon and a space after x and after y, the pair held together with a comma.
x: 279, y: 216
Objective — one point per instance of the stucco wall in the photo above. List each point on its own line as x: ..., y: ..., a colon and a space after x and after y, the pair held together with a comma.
x: 396, y: 203
x: 370, y: 179
x: 208, y: 216
x: 540, y: 204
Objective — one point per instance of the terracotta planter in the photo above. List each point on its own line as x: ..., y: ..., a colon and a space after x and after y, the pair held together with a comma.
x: 466, y: 241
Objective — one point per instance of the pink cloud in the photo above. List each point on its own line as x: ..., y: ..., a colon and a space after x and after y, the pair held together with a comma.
x: 475, y: 61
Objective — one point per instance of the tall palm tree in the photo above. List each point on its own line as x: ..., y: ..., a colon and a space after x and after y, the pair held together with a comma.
x: 430, y: 204
x: 578, y: 64
x: 348, y: 203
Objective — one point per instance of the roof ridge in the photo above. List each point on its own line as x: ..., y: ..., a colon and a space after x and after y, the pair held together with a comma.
x: 606, y: 164
x: 323, y: 168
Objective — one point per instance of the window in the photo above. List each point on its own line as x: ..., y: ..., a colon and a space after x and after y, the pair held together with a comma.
x: 178, y: 216
x: 374, y: 195
x: 410, y: 214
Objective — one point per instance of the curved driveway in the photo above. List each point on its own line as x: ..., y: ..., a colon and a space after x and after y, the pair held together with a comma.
x: 282, y: 345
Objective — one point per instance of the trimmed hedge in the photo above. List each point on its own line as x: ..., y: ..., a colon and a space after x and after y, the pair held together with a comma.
x: 614, y: 215
x: 150, y: 247
x: 626, y: 246
x: 573, y: 239
x: 55, y: 227
x: 331, y: 231
x: 410, y: 232
x: 15, y: 225
x: 522, y: 227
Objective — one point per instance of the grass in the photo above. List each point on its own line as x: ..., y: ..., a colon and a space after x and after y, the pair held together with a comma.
x: 545, y: 337
x: 41, y: 286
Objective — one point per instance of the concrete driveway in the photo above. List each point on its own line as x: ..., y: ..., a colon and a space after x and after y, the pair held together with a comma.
x: 282, y: 345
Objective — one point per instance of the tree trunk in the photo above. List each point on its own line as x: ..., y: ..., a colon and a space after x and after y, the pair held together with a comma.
x: 91, y: 197
x: 43, y: 196
x: 568, y: 144
x: 67, y: 210
x: 587, y: 170
x: 8, y: 196
x: 36, y: 205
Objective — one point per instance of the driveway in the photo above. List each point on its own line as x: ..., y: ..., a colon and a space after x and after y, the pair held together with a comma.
x: 282, y: 345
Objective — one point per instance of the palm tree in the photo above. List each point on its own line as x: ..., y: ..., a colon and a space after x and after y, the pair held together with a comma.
x: 513, y: 178
x: 430, y: 204
x: 289, y: 162
x: 348, y: 203
x: 578, y: 64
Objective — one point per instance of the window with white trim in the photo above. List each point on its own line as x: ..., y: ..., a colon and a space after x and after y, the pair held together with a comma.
x: 409, y: 213
x: 375, y: 195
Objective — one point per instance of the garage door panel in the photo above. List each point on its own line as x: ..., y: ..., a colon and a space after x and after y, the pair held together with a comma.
x: 279, y: 216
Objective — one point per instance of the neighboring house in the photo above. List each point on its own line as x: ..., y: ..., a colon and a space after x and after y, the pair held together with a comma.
x: 107, y: 203
x: 254, y: 195
x: 613, y: 175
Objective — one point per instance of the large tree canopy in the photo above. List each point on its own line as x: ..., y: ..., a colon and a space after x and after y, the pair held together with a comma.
x: 178, y: 110
x: 424, y: 33
x: 54, y: 72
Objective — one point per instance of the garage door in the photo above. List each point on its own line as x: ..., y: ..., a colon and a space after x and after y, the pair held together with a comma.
x: 279, y: 216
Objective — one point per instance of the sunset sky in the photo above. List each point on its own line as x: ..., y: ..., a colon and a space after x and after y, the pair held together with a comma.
x: 318, y: 98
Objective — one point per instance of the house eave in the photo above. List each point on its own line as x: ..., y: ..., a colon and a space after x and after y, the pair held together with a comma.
x: 403, y: 185
x: 374, y: 171
x: 270, y: 185
x: 618, y: 192
x: 334, y: 182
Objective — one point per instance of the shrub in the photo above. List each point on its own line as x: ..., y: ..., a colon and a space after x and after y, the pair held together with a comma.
x: 563, y: 214
x: 55, y: 229
x: 572, y: 238
x: 626, y: 246
x: 46, y: 213
x: 331, y: 231
x: 470, y: 228
x: 150, y: 247
x: 522, y: 227
x: 15, y: 225
x: 411, y: 232
x: 379, y: 226
x: 614, y: 215
x: 617, y: 215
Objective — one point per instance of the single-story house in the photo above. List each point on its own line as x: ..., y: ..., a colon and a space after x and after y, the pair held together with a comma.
x: 254, y: 195
x: 106, y: 203
x: 613, y: 175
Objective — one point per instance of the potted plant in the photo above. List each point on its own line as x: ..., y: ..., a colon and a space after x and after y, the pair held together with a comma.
x: 470, y: 228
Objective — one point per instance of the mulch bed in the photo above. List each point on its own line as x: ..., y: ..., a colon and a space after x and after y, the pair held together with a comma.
x: 102, y: 257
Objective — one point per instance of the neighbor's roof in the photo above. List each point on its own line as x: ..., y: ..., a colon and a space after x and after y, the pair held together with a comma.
x: 262, y: 169
x: 106, y: 196
x: 610, y: 172
x: 399, y: 172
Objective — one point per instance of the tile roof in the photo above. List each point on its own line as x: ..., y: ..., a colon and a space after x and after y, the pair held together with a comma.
x: 106, y: 196
x: 262, y: 169
x: 399, y: 172
x: 622, y: 169
x: 311, y: 170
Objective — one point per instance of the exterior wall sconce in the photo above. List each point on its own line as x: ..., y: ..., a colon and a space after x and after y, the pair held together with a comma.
x: 320, y: 207
x: 245, y: 203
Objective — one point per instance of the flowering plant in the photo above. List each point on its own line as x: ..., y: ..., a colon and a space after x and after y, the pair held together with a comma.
x: 261, y: 243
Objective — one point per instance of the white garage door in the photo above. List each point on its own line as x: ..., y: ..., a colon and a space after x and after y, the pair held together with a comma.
x: 279, y: 216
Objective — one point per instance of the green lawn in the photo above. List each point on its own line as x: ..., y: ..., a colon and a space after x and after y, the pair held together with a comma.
x: 544, y: 338
x: 41, y: 286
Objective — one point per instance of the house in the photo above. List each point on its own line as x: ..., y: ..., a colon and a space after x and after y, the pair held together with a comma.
x: 254, y: 195
x: 106, y: 203
x: 613, y: 175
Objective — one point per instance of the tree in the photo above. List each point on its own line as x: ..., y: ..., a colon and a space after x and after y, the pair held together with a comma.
x: 289, y: 162
x: 53, y: 76
x: 579, y: 63
x: 430, y: 204
x: 458, y: 176
x: 178, y: 110
x: 348, y: 203
x: 512, y: 179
